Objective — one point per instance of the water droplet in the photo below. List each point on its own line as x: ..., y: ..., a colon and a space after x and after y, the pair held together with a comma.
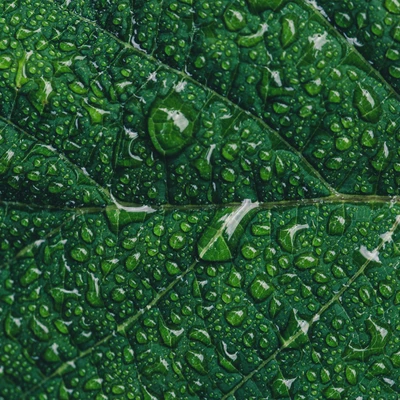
x: 386, y: 289
x: 395, y: 358
x: 351, y: 375
x: 177, y: 241
x: 252, y: 40
x: 287, y: 235
x: 67, y: 46
x: 170, y: 337
x: 331, y: 340
x: 228, y: 175
x: 249, y: 252
x: 261, y: 288
x: 343, y: 143
x: 235, y: 278
x: 366, y: 294
x: 380, y: 368
x: 306, y: 260
x: 197, y: 361
x: 236, y: 316
x: 343, y: 19
x: 93, y: 295
x: 5, y: 61
x: 87, y: 234
x: 393, y: 6
x: 234, y: 19
x: 132, y: 261
x: 295, y: 335
x: 381, y: 160
x: 333, y: 393
x: 78, y: 87
x: 80, y: 254
x: 289, y: 31
x: 368, y: 138
x: 171, y: 125
x: 230, y: 151
x: 366, y: 101
x: 261, y: 229
x: 314, y: 87
x: 109, y: 265
x: 338, y: 222
x: 334, y: 96
x: 200, y: 335
x: 40, y: 330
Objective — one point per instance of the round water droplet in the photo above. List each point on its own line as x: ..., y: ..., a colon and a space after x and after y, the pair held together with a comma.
x: 331, y: 340
x: 80, y: 253
x: 261, y: 288
x: 343, y: 143
x: 351, y: 375
x: 314, y: 87
x: 171, y: 125
x: 249, y: 338
x: 177, y: 241
x: 5, y: 61
x: 366, y: 101
x: 249, y: 252
x: 236, y: 316
x: 230, y: 151
x: 368, y: 138
x: 197, y: 361
x: 343, y: 19
x: 228, y: 175
x: 386, y: 289
x: 393, y: 6
x: 159, y: 230
x: 306, y: 261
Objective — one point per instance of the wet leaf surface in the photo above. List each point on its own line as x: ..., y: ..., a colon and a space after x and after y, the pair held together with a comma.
x: 198, y: 199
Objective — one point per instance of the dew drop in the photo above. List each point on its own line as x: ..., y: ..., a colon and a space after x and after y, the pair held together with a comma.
x: 366, y: 101
x: 171, y: 125
x: 261, y: 289
x: 236, y: 316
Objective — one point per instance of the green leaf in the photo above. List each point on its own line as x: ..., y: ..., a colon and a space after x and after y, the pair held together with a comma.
x: 199, y: 199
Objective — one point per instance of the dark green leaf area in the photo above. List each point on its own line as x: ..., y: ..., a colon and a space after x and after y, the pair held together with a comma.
x: 285, y: 64
x: 198, y: 199
x: 306, y: 308
x: 374, y: 30
x: 76, y: 78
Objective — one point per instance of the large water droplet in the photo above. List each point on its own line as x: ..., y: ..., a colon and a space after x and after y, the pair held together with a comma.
x: 171, y: 125
x: 197, y: 361
x: 289, y: 31
x: 367, y: 103
x: 261, y: 288
x: 236, y: 316
x: 392, y: 6
x: 234, y: 19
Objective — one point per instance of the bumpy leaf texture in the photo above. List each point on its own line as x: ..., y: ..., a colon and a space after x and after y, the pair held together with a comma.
x: 198, y: 199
